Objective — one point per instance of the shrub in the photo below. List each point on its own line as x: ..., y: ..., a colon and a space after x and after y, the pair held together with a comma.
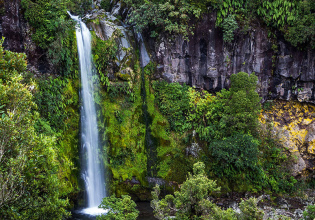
x: 172, y: 16
x: 309, y: 213
x: 173, y: 101
x: 192, y: 201
x: 235, y: 155
x: 229, y: 25
x: 250, y: 210
x: 123, y: 208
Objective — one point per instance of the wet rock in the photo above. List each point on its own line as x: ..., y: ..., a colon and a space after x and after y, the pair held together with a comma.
x: 154, y: 180
x: 310, y: 138
x: 298, y: 213
x: 17, y: 35
x: 205, y: 61
x: 193, y: 150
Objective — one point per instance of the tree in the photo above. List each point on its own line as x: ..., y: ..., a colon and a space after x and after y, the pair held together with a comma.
x: 241, y: 104
x: 249, y: 210
x: 192, y: 201
x: 119, y: 208
x: 29, y: 184
x: 231, y: 112
x: 235, y: 155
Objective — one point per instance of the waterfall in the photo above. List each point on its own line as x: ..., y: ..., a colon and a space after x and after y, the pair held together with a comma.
x: 92, y: 164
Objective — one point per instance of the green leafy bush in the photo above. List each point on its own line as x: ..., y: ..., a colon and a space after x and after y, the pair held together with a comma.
x: 229, y: 25
x: 173, y: 102
x: 172, y: 16
x: 29, y: 166
x: 123, y: 208
x: 309, y: 213
x: 230, y: 112
x: 250, y: 210
x: 53, y: 30
x: 51, y: 102
x: 192, y: 201
x: 235, y: 155
x: 241, y: 104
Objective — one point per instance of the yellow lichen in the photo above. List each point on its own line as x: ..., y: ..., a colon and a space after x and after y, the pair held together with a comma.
x: 290, y: 119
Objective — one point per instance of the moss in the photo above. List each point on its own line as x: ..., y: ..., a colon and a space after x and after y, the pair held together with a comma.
x: 69, y: 140
x: 59, y: 97
x: 125, y: 77
x: 123, y: 128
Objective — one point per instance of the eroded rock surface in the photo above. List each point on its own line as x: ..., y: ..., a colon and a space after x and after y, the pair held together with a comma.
x: 17, y: 34
x: 294, y: 123
x: 206, y: 62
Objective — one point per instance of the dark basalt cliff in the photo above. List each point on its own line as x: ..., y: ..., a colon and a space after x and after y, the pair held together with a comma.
x: 12, y: 25
x: 17, y: 34
x: 206, y: 62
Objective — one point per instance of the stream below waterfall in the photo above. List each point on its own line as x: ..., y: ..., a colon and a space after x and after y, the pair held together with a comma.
x: 146, y: 213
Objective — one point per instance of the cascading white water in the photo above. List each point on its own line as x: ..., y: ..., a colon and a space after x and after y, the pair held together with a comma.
x: 93, y: 166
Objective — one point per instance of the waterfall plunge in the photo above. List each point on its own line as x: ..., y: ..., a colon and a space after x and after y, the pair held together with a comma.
x: 93, y: 167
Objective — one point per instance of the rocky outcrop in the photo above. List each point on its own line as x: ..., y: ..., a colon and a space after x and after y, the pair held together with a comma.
x: 294, y: 124
x: 206, y: 62
x: 17, y: 34
x: 12, y: 23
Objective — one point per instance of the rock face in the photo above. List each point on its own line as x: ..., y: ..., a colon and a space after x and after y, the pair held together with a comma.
x: 12, y: 25
x: 17, y: 35
x: 206, y: 62
x: 294, y: 124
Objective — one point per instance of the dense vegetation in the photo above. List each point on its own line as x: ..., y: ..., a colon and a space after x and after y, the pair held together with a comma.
x: 53, y: 30
x: 228, y: 134
x: 35, y: 166
x: 294, y: 19
x: 39, y: 116
x: 119, y: 208
x: 192, y: 201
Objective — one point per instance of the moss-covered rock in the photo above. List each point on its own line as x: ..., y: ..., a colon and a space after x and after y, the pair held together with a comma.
x: 295, y: 124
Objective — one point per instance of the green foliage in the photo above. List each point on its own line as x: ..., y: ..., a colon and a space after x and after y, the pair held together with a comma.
x: 106, y: 5
x: 119, y: 208
x: 192, y: 201
x: 121, y: 124
x: 29, y: 169
x: 236, y: 155
x: 227, y: 130
x: 53, y: 30
x: 275, y: 162
x: 173, y: 102
x: 104, y: 53
x: 172, y: 16
x: 309, y: 213
x: 278, y: 12
x: 302, y: 32
x: 51, y: 102
x: 230, y: 112
x: 295, y: 19
x: 250, y: 210
x: 229, y: 25
x: 241, y: 104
